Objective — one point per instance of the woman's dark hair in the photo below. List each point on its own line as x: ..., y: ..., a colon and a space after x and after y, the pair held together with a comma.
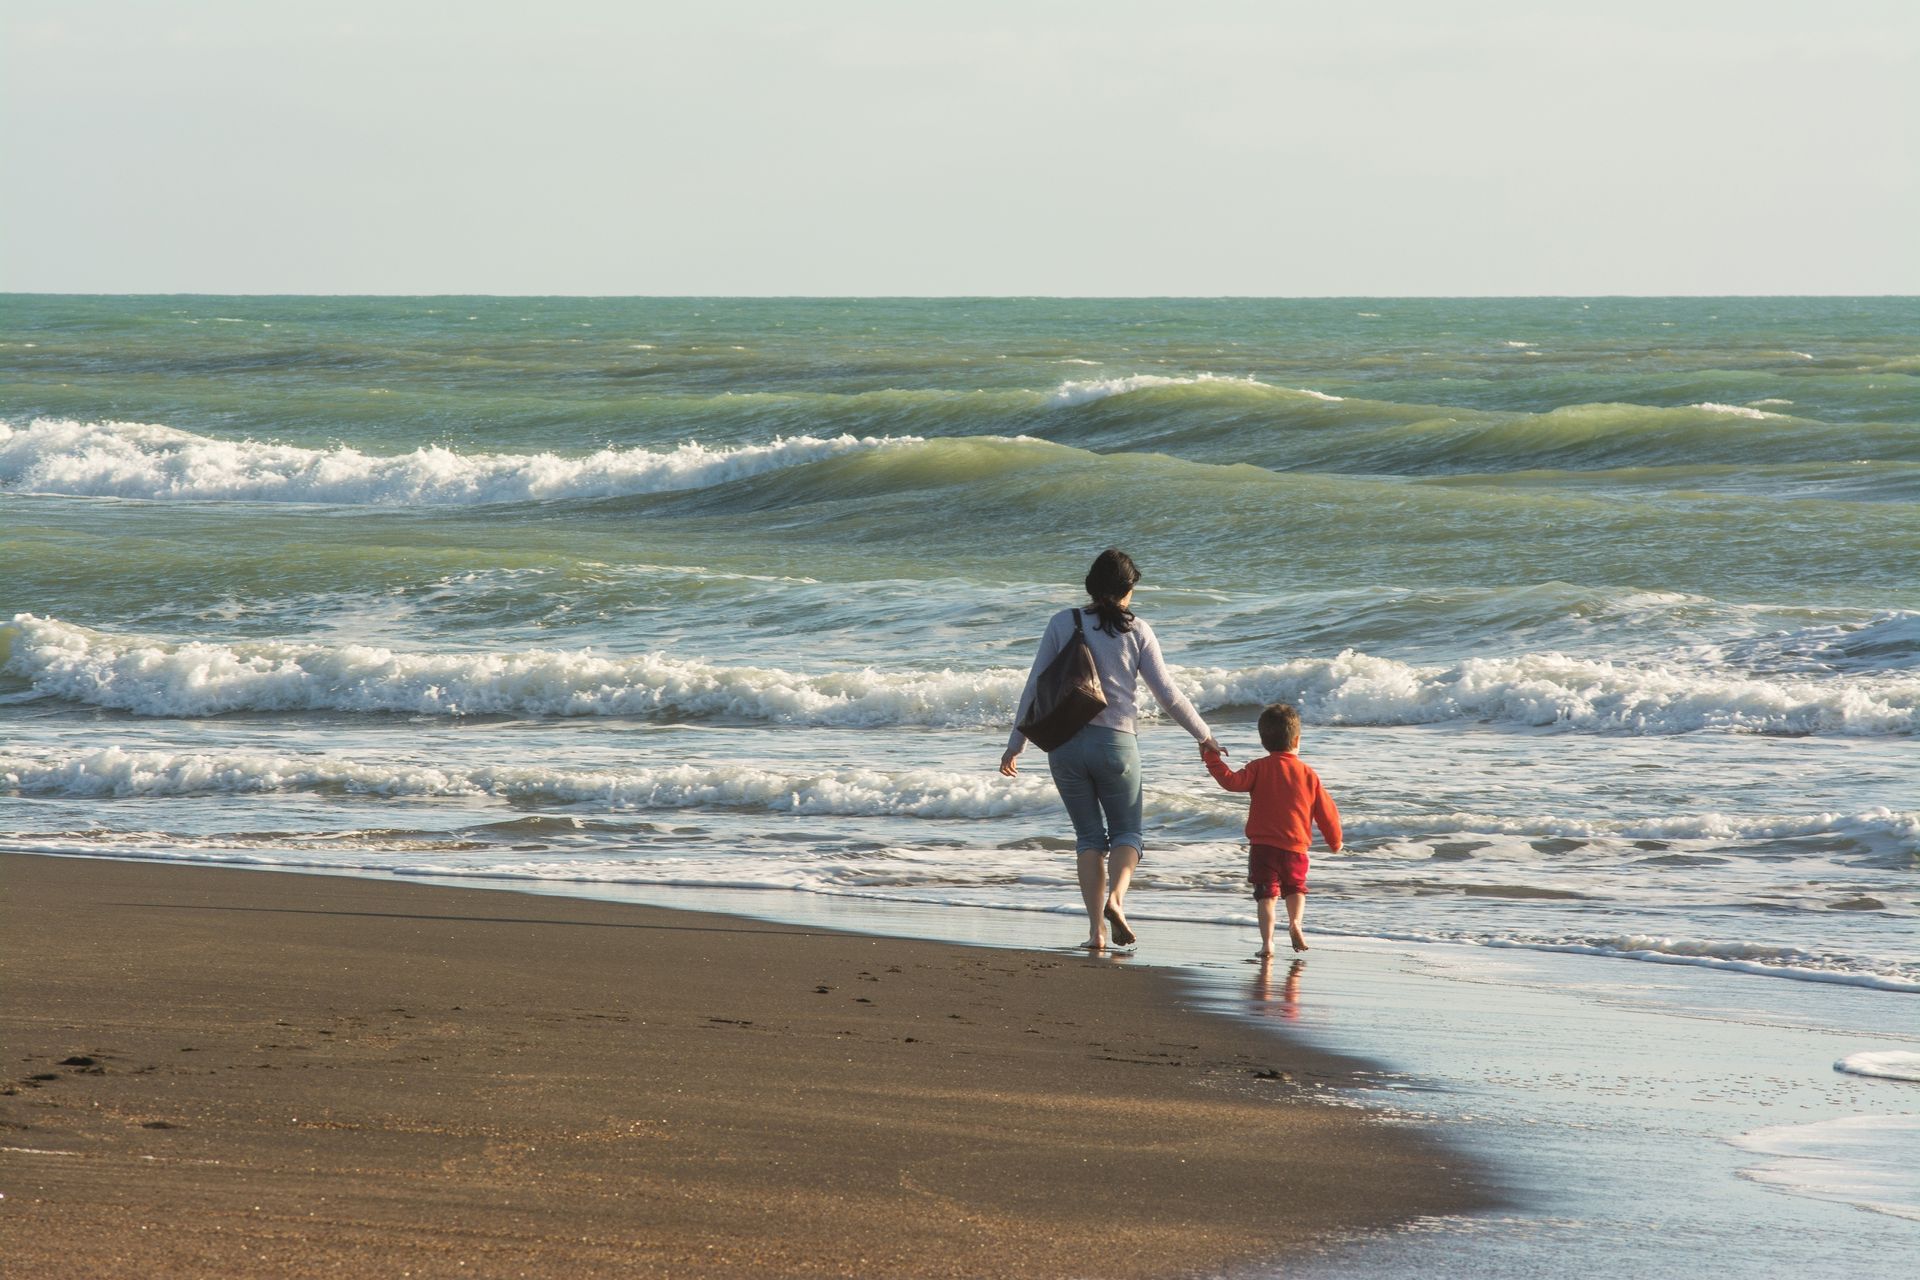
x: 1112, y: 576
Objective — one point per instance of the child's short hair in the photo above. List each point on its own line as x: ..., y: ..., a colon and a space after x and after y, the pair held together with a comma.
x: 1279, y: 727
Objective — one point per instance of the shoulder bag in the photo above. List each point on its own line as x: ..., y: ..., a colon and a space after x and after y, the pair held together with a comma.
x: 1067, y: 695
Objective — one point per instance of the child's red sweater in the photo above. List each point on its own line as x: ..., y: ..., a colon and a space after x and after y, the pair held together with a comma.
x: 1286, y: 795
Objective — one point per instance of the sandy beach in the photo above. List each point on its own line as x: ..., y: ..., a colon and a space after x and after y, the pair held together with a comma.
x: 224, y: 1072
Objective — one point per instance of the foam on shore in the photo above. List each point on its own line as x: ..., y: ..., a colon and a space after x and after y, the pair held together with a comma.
x: 1891, y: 1064
x: 1866, y: 1161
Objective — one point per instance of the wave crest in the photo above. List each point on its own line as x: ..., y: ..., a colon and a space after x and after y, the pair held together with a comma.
x: 1087, y: 391
x: 148, y: 461
x: 150, y: 677
x: 1554, y: 690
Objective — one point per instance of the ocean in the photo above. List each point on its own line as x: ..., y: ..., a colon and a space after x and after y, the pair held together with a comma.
x: 1603, y: 614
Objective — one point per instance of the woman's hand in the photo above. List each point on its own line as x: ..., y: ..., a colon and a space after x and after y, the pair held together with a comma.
x: 1213, y: 745
x: 1007, y: 765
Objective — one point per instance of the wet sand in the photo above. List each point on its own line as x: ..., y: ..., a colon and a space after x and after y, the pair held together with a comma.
x: 223, y: 1072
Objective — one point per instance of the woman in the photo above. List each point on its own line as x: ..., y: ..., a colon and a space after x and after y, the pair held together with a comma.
x: 1098, y: 770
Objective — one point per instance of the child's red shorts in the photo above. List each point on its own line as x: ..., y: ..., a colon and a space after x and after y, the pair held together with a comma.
x: 1276, y: 872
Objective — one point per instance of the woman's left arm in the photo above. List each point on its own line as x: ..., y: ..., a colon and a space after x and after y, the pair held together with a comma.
x: 1153, y: 669
x: 1052, y: 640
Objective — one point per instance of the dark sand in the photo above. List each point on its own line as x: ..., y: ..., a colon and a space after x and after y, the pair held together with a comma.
x: 222, y: 1072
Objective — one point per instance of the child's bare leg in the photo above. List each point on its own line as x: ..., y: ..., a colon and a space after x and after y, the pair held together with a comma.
x: 1296, y: 908
x: 1266, y: 925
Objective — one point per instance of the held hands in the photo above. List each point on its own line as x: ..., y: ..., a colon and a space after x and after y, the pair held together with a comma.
x: 1008, y: 765
x: 1212, y: 745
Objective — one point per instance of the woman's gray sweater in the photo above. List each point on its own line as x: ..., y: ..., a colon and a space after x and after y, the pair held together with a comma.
x: 1123, y: 660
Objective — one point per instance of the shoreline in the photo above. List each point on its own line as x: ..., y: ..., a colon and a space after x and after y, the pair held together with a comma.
x: 387, y: 1076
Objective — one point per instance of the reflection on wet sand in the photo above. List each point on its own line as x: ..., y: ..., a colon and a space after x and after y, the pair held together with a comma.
x: 1287, y: 1003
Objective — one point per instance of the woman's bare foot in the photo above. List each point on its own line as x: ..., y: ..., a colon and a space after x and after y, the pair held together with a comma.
x: 1299, y: 938
x: 1263, y: 956
x: 1091, y: 944
x: 1122, y: 935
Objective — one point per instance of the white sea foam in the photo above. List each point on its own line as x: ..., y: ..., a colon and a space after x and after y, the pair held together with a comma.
x: 1757, y: 403
x: 1900, y: 829
x: 1734, y: 410
x: 1756, y: 959
x: 1520, y: 345
x: 142, y: 460
x: 1086, y: 392
x: 1552, y: 689
x: 1859, y: 1160
x: 120, y: 773
x: 1890, y: 1064
x: 152, y: 677
x: 916, y: 793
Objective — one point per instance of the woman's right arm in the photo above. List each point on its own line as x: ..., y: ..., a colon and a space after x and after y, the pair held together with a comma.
x: 1153, y: 669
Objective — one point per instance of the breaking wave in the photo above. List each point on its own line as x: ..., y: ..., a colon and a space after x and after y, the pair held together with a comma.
x: 1203, y: 419
x: 1554, y: 690
x: 1089, y: 390
x: 1549, y: 690
x: 147, y: 461
x: 1737, y: 410
x: 919, y: 793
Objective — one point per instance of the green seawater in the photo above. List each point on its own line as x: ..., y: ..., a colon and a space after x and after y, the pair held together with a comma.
x: 1477, y: 444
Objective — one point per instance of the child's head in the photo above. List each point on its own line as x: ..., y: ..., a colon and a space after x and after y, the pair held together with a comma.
x: 1279, y: 727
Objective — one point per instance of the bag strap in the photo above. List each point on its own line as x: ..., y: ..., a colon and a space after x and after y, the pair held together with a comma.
x: 1076, y: 620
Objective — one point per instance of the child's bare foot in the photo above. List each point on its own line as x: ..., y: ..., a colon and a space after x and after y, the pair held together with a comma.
x: 1299, y: 938
x: 1122, y: 935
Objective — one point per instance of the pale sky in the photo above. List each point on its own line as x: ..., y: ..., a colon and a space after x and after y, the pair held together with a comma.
x: 1189, y: 147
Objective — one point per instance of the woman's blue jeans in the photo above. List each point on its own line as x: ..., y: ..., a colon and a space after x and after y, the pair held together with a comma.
x: 1097, y: 772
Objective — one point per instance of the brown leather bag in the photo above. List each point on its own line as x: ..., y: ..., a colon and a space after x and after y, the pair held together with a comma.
x: 1067, y: 695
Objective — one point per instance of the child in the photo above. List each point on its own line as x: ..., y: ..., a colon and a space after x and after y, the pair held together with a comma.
x: 1286, y: 794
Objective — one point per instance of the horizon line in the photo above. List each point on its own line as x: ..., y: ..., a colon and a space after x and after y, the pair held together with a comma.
x: 967, y: 297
